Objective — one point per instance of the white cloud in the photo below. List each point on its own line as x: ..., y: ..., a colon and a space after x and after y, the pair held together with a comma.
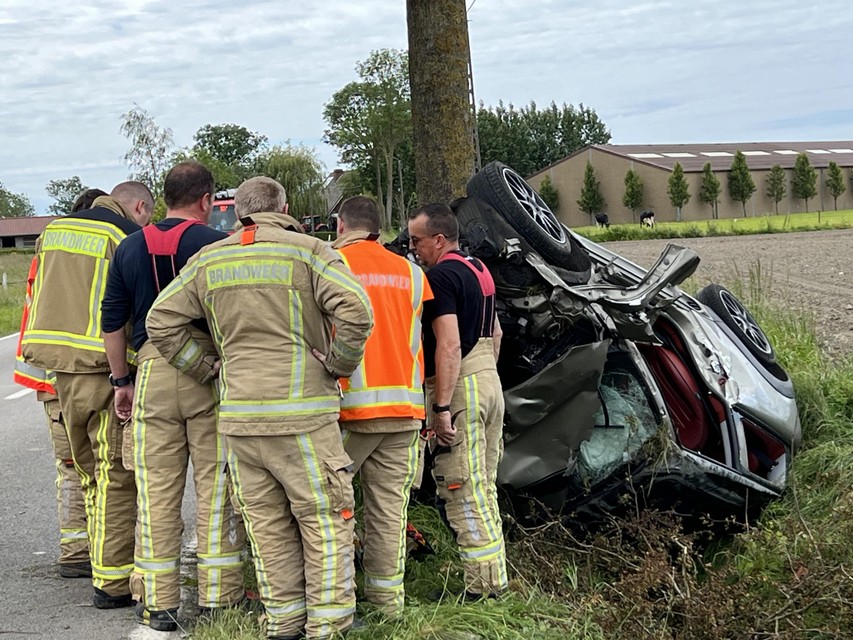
x: 656, y: 71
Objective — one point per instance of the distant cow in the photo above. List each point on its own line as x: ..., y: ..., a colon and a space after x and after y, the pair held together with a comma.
x: 647, y: 218
x: 601, y: 220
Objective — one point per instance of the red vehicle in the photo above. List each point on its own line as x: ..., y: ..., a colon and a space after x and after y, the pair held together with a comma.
x: 223, y: 217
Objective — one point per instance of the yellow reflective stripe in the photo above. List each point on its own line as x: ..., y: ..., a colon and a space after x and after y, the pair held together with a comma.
x: 103, y: 572
x: 215, y: 532
x: 415, y: 338
x: 484, y: 553
x: 216, y: 332
x: 143, y: 499
x: 169, y: 565
x: 317, y: 483
x: 99, y: 536
x: 245, y: 271
x: 248, y: 408
x: 226, y: 560
x: 96, y: 295
x: 30, y: 372
x: 382, y: 396
x: 69, y: 535
x: 260, y: 569
x: 297, y: 335
x: 89, y: 243
x: 285, y: 609
x: 187, y: 356
x: 37, y: 283
x: 89, y: 226
x: 63, y: 338
x: 390, y: 583
x: 475, y: 455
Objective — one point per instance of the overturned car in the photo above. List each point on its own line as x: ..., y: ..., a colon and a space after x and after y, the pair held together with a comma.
x: 621, y: 389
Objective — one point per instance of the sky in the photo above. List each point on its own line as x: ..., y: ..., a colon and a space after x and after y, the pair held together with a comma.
x: 669, y: 71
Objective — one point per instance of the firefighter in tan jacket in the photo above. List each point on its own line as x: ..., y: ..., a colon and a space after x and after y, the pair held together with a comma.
x: 63, y: 335
x: 270, y: 295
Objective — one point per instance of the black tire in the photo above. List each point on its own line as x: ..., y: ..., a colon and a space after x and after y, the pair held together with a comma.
x: 740, y: 321
x: 519, y: 204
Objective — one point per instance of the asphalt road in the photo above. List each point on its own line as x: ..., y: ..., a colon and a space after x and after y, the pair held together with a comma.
x: 35, y: 602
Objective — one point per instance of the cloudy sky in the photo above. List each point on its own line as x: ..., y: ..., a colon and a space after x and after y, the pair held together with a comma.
x: 669, y: 71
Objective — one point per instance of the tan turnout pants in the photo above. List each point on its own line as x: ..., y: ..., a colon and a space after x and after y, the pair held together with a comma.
x: 70, y: 499
x: 465, y: 473
x: 387, y: 463
x: 296, y: 495
x: 174, y: 421
x: 95, y: 436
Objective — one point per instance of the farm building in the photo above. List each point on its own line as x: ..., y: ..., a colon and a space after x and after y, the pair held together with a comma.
x: 21, y: 233
x: 654, y: 164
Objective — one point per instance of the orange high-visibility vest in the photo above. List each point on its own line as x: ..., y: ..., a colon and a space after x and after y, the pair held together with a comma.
x: 26, y: 374
x: 389, y: 381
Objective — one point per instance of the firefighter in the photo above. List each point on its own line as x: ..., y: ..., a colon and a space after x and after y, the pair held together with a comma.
x: 71, y: 503
x: 173, y: 417
x: 383, y: 403
x: 63, y: 335
x: 461, y: 346
x: 270, y: 294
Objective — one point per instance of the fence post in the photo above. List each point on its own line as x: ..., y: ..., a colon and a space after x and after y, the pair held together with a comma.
x: 5, y: 282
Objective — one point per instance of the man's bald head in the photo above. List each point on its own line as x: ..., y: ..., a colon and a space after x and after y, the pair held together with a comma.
x: 136, y: 198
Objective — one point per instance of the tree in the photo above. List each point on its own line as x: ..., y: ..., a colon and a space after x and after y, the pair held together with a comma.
x: 835, y: 182
x: 549, y: 193
x: 633, y: 196
x: 151, y: 148
x: 804, y: 180
x: 14, y: 205
x: 301, y: 174
x: 230, y: 151
x: 529, y: 139
x: 678, y: 189
x: 709, y: 191
x: 741, y: 184
x: 442, y: 118
x: 65, y: 192
x: 776, y: 187
x: 591, y: 200
x: 369, y: 120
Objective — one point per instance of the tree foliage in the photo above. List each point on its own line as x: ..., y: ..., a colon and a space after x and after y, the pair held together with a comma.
x: 370, y: 120
x: 230, y: 151
x: 741, y: 184
x: 65, y: 192
x: 633, y: 196
x: 709, y: 191
x: 14, y: 205
x: 804, y: 180
x: 151, y: 148
x: 591, y: 200
x: 777, y: 188
x: 549, y: 193
x: 835, y: 182
x: 301, y: 174
x: 678, y: 189
x: 529, y: 139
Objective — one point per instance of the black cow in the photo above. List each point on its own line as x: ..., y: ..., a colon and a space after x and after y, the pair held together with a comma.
x: 647, y: 218
x: 601, y: 220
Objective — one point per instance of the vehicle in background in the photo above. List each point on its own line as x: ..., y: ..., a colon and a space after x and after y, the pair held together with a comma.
x: 316, y: 226
x: 223, y: 217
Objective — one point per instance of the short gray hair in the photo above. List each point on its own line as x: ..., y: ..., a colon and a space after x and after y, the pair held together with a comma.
x: 259, y: 194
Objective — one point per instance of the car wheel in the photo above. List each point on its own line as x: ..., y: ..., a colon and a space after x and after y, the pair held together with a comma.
x: 740, y: 320
x: 510, y: 195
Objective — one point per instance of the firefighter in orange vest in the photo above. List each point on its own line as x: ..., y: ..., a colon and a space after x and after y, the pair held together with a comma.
x: 383, y: 403
x: 71, y: 504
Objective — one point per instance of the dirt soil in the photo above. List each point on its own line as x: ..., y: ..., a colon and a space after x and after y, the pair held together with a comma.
x: 812, y: 271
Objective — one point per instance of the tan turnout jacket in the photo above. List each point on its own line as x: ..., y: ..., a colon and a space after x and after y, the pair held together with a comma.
x: 268, y: 304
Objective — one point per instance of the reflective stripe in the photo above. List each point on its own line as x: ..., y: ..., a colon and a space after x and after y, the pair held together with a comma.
x: 356, y: 380
x: 330, y: 612
x: 187, y: 356
x: 229, y: 560
x: 384, y: 583
x: 280, y: 611
x: 30, y: 371
x: 90, y: 226
x: 322, y: 404
x: 73, y: 534
x: 63, y: 338
x: 99, y: 279
x: 480, y: 553
x: 387, y: 395
x: 111, y: 573
x: 478, y: 473
x: 172, y: 564
x: 297, y: 364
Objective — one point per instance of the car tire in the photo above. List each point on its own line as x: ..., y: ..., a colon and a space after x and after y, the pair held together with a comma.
x: 519, y: 204
x: 736, y: 316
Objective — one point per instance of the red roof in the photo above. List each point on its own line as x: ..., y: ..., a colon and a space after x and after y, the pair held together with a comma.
x: 28, y: 226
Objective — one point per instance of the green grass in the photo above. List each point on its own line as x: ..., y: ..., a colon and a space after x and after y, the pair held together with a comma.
x: 783, y: 223
x: 15, y: 265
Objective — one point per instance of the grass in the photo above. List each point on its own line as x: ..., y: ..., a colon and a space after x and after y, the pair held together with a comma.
x: 16, y: 265
x: 783, y: 223
x: 788, y: 576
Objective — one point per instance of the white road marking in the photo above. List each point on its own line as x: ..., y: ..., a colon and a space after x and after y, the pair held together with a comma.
x: 18, y: 394
x: 11, y: 335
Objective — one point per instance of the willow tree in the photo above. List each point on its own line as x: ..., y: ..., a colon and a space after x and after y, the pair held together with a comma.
x: 442, y: 118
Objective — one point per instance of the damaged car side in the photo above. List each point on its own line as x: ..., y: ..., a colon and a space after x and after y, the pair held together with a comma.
x: 618, y: 383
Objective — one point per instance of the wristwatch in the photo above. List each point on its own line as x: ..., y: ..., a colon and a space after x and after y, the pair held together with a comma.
x: 120, y: 382
x: 440, y: 408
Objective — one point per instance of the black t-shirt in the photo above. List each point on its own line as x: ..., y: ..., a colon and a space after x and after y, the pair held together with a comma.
x: 457, y: 291
x: 131, y: 289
